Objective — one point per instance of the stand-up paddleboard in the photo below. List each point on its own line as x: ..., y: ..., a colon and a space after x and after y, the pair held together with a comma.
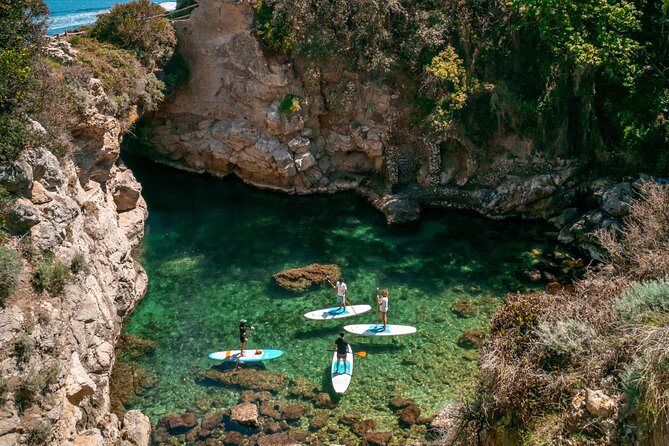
x: 250, y: 355
x: 336, y: 313
x: 377, y: 329
x: 342, y: 371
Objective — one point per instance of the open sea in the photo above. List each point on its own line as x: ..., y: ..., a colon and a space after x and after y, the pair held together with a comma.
x: 70, y: 14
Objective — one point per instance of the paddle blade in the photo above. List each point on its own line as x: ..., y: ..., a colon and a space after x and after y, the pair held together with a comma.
x: 361, y: 354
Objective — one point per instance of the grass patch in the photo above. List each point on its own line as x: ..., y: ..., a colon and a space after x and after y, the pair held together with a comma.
x: 50, y: 275
x: 290, y: 104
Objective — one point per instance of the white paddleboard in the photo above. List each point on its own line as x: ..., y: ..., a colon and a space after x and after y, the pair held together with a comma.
x: 250, y: 355
x: 342, y: 371
x: 337, y: 313
x: 377, y: 329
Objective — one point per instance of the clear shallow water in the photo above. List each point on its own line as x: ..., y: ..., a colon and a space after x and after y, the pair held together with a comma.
x: 210, y: 250
x: 71, y: 14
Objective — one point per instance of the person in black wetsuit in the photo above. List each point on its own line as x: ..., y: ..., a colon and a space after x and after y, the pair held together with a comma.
x: 341, y: 347
x: 243, y: 336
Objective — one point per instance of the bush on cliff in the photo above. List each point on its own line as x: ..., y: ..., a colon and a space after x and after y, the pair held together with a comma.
x: 607, y: 332
x: 50, y: 275
x: 139, y: 27
x: 10, y: 269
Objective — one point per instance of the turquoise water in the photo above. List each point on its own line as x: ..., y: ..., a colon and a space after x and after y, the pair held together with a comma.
x: 210, y: 250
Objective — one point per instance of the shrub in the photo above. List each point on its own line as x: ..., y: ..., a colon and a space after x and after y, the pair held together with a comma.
x: 290, y: 104
x: 50, y: 275
x: 15, y: 136
x: 23, y: 348
x: 565, y: 337
x: 10, y: 269
x: 26, y: 391
x: 40, y: 433
x: 4, y: 389
x: 153, y: 93
x: 78, y: 262
x: 175, y: 73
x: 645, y: 301
x: 137, y: 27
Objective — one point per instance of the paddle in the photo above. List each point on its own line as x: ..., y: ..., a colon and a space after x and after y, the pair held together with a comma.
x: 377, y: 305
x: 346, y: 301
x: 361, y: 354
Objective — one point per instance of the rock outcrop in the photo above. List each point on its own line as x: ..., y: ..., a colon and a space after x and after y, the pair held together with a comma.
x: 86, y: 208
x: 301, y: 279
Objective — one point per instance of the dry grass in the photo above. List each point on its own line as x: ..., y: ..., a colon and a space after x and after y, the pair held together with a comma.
x: 544, y: 348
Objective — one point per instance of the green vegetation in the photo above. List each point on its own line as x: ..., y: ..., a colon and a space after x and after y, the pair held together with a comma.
x: 175, y: 73
x: 10, y: 269
x: 290, y: 104
x: 39, y: 433
x: 51, y: 275
x: 586, y: 80
x: 4, y: 389
x: 645, y: 301
x: 23, y: 348
x: 78, y: 263
x: 139, y: 28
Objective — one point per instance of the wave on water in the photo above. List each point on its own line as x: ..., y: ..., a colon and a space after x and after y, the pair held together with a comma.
x: 59, y: 22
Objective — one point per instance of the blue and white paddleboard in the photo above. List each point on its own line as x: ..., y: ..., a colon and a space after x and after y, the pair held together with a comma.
x: 377, y: 330
x: 342, y: 371
x: 250, y: 355
x: 337, y: 313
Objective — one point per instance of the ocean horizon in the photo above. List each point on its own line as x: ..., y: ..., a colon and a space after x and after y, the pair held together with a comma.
x: 70, y: 14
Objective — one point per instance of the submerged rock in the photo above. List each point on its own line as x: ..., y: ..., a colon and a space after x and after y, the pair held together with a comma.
x: 362, y: 427
x: 133, y: 346
x: 248, y: 379
x: 178, y: 423
x: 377, y: 438
x: 245, y: 414
x: 464, y: 308
x: 301, y: 279
x: 410, y: 415
x: 291, y: 438
x: 400, y: 402
x: 471, y: 339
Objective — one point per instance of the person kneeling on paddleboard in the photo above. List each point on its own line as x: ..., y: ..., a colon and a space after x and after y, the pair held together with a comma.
x: 341, y: 288
x: 243, y: 336
x: 382, y: 302
x: 341, y: 346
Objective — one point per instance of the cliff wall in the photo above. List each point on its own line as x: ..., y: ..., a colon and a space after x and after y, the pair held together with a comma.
x: 57, y: 347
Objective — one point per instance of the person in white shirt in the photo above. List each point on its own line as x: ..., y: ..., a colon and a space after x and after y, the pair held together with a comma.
x: 341, y: 288
x: 382, y: 302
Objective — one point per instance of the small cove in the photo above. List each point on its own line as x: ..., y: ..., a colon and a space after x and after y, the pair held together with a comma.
x: 211, y: 247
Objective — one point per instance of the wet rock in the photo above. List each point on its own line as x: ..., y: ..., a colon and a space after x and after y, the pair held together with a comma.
x: 599, y: 404
x: 291, y: 438
x: 134, y: 347
x: 398, y: 209
x: 410, y: 415
x: 318, y: 421
x: 250, y: 396
x: 211, y: 420
x: 271, y: 409
x: 247, y: 379
x: 464, y: 308
x: 292, y: 412
x: 348, y: 419
x: 362, y: 427
x: 128, y: 381
x: 471, y: 339
x: 21, y: 215
x: 301, y: 279
x: 399, y: 402
x: 245, y: 414
x: 160, y: 435
x: 178, y: 423
x: 272, y: 427
x: 233, y: 439
x: 377, y: 438
x: 323, y: 400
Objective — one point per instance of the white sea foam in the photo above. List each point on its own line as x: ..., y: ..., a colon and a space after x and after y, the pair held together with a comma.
x: 169, y: 6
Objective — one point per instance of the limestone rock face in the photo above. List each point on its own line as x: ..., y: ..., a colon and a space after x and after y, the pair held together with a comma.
x: 136, y: 429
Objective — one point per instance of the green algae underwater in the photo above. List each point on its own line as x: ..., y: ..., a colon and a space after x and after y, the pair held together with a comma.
x: 211, y: 247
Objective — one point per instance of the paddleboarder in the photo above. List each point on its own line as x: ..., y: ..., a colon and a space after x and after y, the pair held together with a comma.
x: 243, y: 336
x: 341, y: 346
x: 341, y: 288
x: 382, y: 302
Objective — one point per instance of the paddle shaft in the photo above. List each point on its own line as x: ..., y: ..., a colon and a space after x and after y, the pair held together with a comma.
x: 346, y: 301
x: 377, y: 306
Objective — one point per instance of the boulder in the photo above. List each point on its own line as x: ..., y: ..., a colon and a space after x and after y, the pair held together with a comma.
x: 300, y: 279
x: 377, y: 438
x: 599, y: 404
x: 21, y: 215
x: 318, y: 421
x: 233, y: 439
x: 292, y: 412
x: 400, y: 402
x: 46, y: 168
x: 399, y: 209
x: 178, y: 423
x: 245, y: 414
x: 136, y: 429
x: 323, y: 400
x: 16, y: 177
x: 126, y: 191
x: 211, y: 420
x: 78, y: 385
x: 290, y: 438
x: 362, y: 427
x: 410, y: 415
x: 471, y: 339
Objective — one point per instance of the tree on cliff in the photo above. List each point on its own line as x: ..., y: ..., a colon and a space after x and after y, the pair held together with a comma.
x: 22, y: 24
x: 140, y: 28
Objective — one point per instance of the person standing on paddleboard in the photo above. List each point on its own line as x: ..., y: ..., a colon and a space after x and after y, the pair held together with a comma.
x: 243, y: 336
x: 382, y: 302
x: 341, y: 346
x: 341, y: 288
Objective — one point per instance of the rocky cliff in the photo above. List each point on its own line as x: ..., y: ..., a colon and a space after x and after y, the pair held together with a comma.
x: 83, y: 210
x: 283, y: 124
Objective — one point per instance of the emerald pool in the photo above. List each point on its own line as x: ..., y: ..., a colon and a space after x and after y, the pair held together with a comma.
x: 212, y: 245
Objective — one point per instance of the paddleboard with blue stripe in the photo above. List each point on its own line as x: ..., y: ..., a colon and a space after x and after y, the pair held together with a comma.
x: 250, y: 355
x: 327, y: 314
x: 342, y: 371
x: 377, y: 330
